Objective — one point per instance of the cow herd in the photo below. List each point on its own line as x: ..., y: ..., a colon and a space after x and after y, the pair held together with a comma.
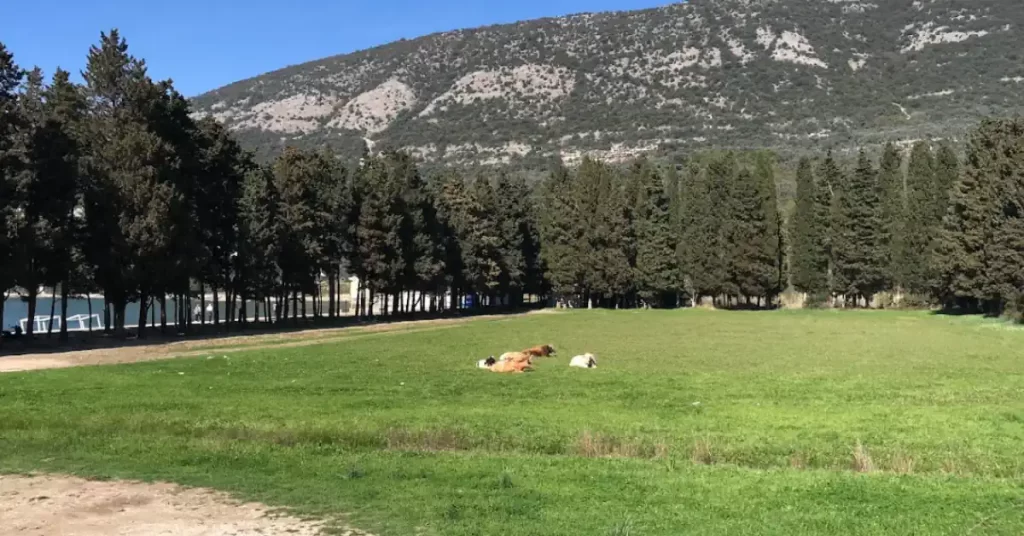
x: 518, y: 362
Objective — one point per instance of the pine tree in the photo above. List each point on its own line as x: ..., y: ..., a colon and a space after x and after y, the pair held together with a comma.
x: 656, y: 270
x: 129, y: 204
x: 809, y: 255
x: 56, y: 157
x: 29, y: 229
x: 422, y: 232
x: 259, y: 236
x: 890, y: 178
x: 223, y: 168
x: 859, y: 245
x: 922, y: 223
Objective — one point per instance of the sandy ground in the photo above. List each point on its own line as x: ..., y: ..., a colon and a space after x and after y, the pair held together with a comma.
x: 63, y: 506
x: 201, y: 347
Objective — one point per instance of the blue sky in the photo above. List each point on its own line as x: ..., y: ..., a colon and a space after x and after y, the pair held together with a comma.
x: 204, y: 44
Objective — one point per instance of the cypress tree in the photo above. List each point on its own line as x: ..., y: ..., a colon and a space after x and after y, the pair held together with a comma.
x: 808, y: 230
x: 607, y: 275
x: 518, y: 249
x: 859, y: 245
x: 947, y: 169
x: 480, y: 237
x: 1001, y: 159
x: 890, y: 179
x: 831, y: 181
x: 656, y: 270
x: 753, y: 241
x: 702, y: 236
x: 561, y: 235
x: 921, y: 223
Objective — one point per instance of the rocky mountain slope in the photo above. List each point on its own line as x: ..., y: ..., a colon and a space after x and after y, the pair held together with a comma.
x: 789, y: 74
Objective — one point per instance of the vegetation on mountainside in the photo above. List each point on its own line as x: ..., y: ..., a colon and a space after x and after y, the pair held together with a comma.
x: 793, y: 76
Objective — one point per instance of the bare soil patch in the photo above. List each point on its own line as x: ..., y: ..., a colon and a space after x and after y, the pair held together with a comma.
x: 200, y: 347
x: 65, y: 506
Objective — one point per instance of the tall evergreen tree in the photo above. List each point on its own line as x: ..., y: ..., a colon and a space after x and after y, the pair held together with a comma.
x: 921, y: 223
x: 10, y: 78
x: 259, y: 236
x: 422, y: 233
x: 56, y: 155
x: 809, y: 258
x: 859, y: 245
x: 656, y: 270
x: 30, y: 228
x: 755, y: 240
x: 515, y: 230
x: 561, y: 235
x: 947, y: 169
x: 607, y: 275
x: 702, y: 236
x: 890, y: 179
x: 830, y: 188
x: 129, y: 204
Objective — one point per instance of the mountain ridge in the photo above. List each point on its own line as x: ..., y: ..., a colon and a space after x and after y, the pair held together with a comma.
x: 788, y: 75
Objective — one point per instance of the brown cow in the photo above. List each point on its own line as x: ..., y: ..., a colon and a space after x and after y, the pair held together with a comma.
x: 544, y: 350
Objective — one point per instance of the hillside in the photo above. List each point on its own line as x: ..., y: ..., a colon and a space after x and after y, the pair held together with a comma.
x: 789, y: 74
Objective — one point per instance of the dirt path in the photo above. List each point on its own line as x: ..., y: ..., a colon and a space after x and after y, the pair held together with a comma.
x: 64, y: 506
x: 193, y: 348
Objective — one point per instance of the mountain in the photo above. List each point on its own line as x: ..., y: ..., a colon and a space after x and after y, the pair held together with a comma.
x: 787, y: 74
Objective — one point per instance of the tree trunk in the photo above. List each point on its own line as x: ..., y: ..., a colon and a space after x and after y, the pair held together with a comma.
x: 332, y: 283
x: 216, y: 307
x: 107, y: 326
x: 53, y: 311
x: 202, y: 303
x: 33, y: 294
x: 163, y: 314
x: 143, y: 304
x: 152, y: 312
x: 119, y: 309
x: 63, y: 312
x: 88, y: 300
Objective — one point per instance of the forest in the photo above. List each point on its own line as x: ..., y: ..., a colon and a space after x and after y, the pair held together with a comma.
x: 114, y: 186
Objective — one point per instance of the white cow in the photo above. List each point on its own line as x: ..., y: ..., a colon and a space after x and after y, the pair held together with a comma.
x: 584, y: 361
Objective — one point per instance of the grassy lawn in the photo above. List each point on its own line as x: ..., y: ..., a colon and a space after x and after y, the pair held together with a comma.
x: 695, y: 422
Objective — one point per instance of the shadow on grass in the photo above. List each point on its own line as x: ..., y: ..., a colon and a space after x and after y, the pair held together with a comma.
x: 98, y: 340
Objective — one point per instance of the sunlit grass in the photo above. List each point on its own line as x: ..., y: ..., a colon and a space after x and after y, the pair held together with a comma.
x: 695, y: 422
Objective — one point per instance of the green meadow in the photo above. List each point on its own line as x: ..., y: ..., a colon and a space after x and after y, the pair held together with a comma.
x: 695, y: 422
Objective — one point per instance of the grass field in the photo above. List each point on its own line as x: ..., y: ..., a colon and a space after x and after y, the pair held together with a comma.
x: 695, y: 422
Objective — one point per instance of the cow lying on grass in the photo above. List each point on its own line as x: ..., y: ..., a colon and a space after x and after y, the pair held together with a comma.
x: 586, y: 361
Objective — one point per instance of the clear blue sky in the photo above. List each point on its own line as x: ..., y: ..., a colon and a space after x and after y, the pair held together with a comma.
x: 205, y: 44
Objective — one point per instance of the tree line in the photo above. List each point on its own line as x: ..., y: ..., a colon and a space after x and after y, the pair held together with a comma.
x: 113, y: 186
